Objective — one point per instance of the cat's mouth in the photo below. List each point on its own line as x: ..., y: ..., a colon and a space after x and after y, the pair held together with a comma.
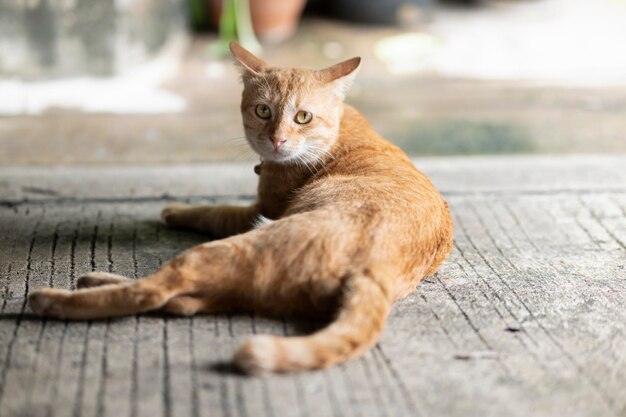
x: 285, y: 153
x: 281, y: 154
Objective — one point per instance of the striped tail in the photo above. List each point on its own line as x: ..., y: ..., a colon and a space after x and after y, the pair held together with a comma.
x: 358, y: 326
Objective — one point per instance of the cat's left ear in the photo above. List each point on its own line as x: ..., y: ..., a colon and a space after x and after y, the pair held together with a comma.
x: 341, y: 75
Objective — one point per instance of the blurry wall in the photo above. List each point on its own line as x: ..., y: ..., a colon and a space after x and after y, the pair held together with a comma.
x: 53, y: 38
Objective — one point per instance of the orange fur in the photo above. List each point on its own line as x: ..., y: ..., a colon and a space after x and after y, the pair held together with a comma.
x: 356, y: 227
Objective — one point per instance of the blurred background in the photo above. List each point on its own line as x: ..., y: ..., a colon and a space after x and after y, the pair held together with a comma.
x: 148, y: 82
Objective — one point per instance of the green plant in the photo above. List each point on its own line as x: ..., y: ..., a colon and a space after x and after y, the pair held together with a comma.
x: 235, y: 24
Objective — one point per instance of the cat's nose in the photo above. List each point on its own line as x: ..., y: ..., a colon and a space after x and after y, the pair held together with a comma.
x: 277, y: 141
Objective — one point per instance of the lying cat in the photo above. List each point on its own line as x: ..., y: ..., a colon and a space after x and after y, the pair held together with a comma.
x: 343, y: 226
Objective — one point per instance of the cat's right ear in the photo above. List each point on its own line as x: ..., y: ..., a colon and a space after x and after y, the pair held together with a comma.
x: 341, y: 75
x: 246, y: 59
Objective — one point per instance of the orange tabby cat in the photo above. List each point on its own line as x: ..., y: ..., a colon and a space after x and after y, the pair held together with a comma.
x: 343, y: 226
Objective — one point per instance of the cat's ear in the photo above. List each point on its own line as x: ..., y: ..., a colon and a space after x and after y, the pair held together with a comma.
x: 341, y: 75
x: 246, y: 59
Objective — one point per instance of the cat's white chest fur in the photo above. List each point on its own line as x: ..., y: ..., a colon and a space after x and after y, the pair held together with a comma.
x: 261, y: 221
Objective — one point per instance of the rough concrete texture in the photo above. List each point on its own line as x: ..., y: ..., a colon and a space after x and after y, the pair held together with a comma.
x: 526, y: 317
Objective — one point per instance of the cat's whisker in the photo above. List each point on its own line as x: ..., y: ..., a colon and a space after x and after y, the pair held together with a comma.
x: 317, y: 155
x: 240, y: 142
x: 244, y: 154
x: 302, y: 164
x: 310, y: 156
x: 315, y: 149
x: 299, y: 164
x: 241, y: 157
x: 226, y: 140
x: 322, y: 148
x: 306, y: 163
x: 243, y: 146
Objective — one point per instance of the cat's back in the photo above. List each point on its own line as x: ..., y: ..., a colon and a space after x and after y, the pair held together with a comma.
x: 369, y: 174
x: 361, y: 151
x: 374, y: 166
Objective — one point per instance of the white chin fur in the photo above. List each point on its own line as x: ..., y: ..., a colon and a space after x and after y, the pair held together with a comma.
x: 282, y: 158
x: 286, y: 156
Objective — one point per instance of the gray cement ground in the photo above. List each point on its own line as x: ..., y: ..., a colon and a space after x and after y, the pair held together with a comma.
x: 526, y: 317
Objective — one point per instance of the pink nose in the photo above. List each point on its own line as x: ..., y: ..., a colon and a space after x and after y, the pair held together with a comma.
x: 277, y: 142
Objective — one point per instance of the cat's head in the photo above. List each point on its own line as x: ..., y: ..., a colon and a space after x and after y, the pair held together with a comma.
x: 292, y: 115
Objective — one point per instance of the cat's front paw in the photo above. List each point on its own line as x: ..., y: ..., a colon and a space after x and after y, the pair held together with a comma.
x: 172, y: 212
x: 47, y: 302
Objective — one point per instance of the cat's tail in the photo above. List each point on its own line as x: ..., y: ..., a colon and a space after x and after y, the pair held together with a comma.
x: 358, y: 325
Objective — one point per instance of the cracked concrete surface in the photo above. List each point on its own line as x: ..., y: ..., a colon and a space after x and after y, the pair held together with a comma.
x: 525, y: 318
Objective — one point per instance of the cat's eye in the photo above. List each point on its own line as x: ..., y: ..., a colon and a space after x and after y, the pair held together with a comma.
x: 263, y: 111
x: 303, y: 117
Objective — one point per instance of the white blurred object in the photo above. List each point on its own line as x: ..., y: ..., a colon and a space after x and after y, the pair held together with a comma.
x: 215, y: 69
x: 333, y: 50
x: 558, y: 42
x: 137, y: 91
x: 407, y: 53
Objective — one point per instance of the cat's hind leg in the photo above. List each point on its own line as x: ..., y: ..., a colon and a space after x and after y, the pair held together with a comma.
x: 181, y: 305
x: 212, y: 272
x: 119, y: 299
x: 98, y: 279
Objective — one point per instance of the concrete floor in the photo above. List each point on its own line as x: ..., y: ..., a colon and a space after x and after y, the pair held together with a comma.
x: 525, y: 318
